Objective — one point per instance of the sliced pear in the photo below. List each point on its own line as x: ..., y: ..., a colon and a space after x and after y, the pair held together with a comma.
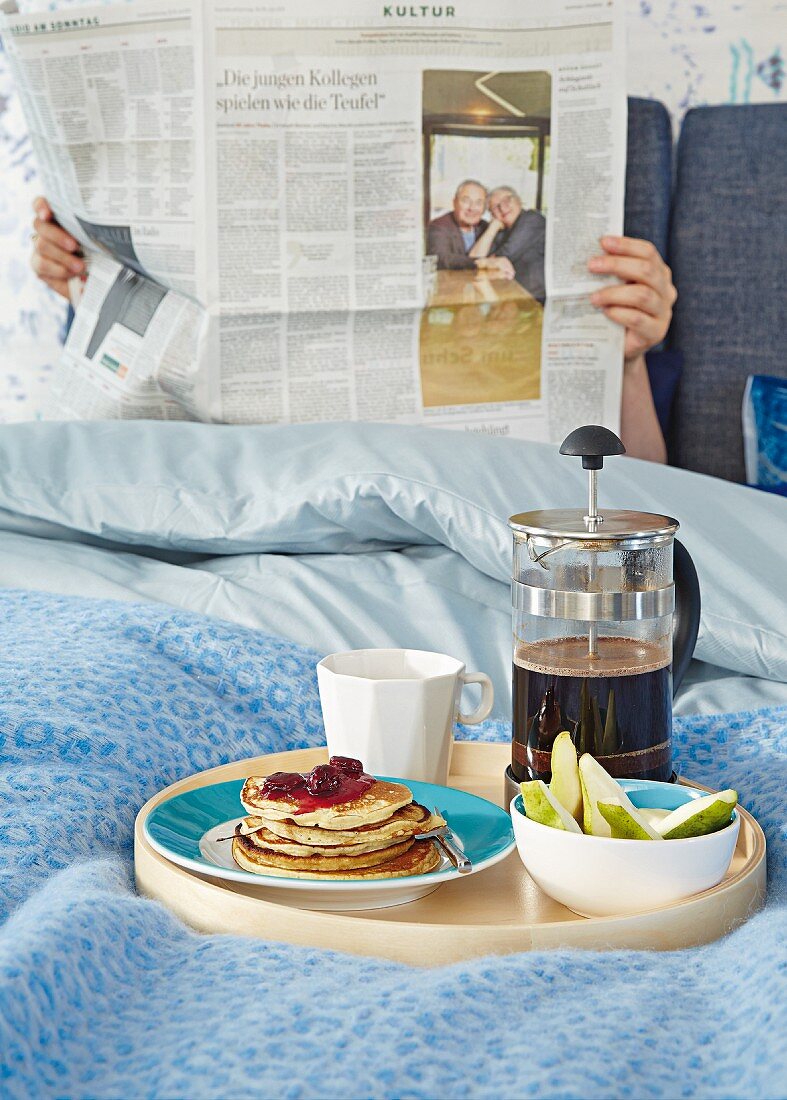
x: 598, y: 786
x: 542, y: 806
x: 652, y: 815
x: 626, y: 824
x: 699, y: 816
x: 565, y: 785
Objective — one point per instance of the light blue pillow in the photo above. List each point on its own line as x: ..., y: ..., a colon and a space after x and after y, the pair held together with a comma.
x: 324, y: 488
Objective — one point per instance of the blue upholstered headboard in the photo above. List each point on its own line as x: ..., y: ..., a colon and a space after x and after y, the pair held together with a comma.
x: 646, y: 215
x: 648, y: 172
x: 728, y: 252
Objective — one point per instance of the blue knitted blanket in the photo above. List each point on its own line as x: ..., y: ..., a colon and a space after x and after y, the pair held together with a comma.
x: 104, y: 994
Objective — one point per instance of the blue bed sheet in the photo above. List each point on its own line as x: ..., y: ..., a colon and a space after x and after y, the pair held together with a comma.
x: 104, y: 994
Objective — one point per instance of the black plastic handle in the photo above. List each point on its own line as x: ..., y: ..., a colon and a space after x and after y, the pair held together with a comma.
x: 686, y: 621
x: 592, y: 443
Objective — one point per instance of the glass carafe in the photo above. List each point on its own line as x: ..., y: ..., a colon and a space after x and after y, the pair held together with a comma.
x: 593, y: 630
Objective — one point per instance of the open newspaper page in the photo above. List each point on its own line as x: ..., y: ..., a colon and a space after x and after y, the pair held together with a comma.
x: 113, y: 98
x: 390, y: 209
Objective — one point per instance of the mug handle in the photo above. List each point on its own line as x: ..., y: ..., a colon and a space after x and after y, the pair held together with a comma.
x: 484, y: 708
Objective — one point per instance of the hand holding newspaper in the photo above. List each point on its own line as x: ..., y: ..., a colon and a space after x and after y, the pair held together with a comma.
x: 380, y: 214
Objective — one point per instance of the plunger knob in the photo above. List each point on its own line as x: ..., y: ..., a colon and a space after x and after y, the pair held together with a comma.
x: 592, y: 443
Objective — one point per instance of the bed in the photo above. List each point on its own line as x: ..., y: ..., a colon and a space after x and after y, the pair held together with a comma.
x: 167, y: 591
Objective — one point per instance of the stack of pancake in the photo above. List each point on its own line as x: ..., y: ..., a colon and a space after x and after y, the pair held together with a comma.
x: 368, y: 837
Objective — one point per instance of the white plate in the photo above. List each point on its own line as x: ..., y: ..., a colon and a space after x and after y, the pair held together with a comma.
x: 185, y: 828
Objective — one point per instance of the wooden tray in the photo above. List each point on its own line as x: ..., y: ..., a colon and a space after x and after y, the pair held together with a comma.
x: 499, y: 911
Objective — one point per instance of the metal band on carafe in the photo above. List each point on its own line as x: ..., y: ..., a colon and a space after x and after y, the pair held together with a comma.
x: 552, y: 603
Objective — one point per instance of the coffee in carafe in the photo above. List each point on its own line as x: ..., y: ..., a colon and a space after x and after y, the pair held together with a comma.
x: 615, y: 706
x: 593, y: 598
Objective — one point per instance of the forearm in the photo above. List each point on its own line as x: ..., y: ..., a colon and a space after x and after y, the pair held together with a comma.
x: 456, y: 263
x: 639, y: 426
x: 483, y: 246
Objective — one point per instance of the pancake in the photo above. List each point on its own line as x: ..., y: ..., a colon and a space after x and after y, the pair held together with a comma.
x: 262, y: 837
x: 258, y: 852
x: 406, y: 821
x: 378, y: 803
x: 419, y: 859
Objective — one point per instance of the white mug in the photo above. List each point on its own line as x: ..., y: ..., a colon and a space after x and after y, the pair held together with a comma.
x: 394, y: 709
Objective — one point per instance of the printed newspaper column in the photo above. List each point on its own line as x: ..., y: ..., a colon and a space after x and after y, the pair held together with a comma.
x: 583, y: 352
x: 330, y: 215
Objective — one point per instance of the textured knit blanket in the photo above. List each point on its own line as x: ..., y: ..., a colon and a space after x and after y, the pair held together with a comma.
x: 104, y: 994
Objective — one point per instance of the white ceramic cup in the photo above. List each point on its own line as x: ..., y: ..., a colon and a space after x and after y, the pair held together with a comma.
x: 394, y: 709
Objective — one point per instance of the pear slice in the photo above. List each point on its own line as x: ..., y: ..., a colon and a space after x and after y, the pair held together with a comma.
x: 652, y: 815
x: 626, y: 824
x: 565, y: 785
x: 598, y: 786
x: 699, y: 816
x: 542, y: 806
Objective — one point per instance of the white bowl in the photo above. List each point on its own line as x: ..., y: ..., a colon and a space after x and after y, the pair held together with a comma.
x: 597, y: 876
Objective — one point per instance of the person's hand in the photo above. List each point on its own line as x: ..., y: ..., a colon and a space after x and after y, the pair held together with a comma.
x: 503, y: 267
x: 643, y: 302
x: 500, y: 266
x: 54, y: 258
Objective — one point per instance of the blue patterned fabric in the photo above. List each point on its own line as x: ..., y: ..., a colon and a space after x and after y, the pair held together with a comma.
x: 765, y: 433
x: 729, y: 262
x: 104, y: 994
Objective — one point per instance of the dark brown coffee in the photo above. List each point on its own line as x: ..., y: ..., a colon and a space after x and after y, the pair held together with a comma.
x: 617, y: 706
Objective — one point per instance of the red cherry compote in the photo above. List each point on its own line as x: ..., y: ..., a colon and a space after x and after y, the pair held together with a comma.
x: 341, y: 780
x: 347, y: 764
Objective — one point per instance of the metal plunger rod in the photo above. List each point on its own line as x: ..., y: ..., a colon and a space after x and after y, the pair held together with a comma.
x: 592, y: 495
x: 592, y: 521
x: 592, y: 443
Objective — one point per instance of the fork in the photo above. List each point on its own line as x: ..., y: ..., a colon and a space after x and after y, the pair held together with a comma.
x: 444, y: 837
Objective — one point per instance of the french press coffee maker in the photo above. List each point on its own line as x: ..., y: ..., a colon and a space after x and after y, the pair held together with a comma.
x: 602, y: 632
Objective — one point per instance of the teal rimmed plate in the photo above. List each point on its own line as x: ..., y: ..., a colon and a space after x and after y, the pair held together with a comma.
x: 186, y: 828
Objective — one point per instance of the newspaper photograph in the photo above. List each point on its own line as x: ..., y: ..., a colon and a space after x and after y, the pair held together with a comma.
x: 384, y: 213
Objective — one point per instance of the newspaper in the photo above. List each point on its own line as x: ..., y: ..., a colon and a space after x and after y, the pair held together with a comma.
x: 378, y: 212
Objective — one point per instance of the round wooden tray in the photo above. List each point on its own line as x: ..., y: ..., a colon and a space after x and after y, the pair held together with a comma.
x: 499, y: 911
